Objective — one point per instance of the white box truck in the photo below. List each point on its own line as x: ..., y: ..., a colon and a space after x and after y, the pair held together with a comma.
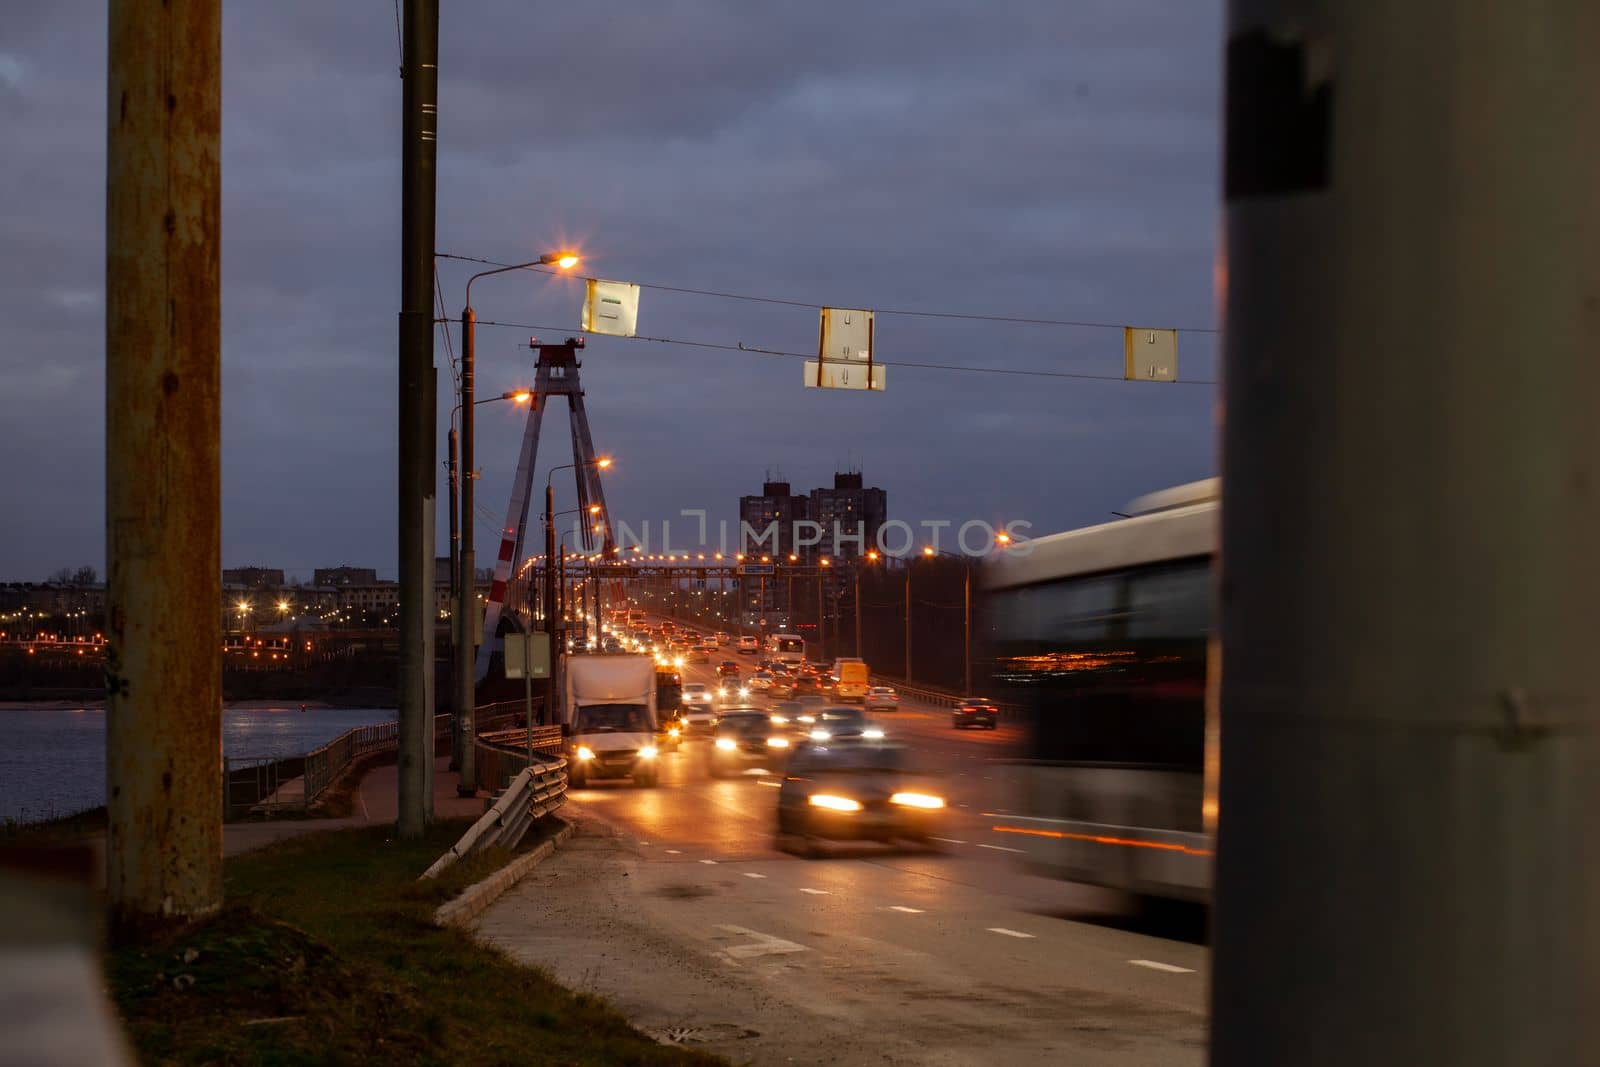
x: 610, y: 718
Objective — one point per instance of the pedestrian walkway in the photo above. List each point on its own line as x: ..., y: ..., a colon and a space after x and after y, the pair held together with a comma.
x: 377, y: 802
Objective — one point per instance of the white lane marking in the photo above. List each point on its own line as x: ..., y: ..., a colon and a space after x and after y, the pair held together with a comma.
x: 753, y: 874
x: 1008, y: 933
x: 674, y: 852
x: 999, y: 848
x: 774, y: 785
x: 902, y: 907
x: 709, y: 863
x: 1157, y: 965
x: 947, y: 840
x: 814, y: 892
x: 760, y: 944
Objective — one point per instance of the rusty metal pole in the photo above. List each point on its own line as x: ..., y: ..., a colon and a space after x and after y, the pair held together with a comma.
x: 419, y: 149
x: 163, y: 463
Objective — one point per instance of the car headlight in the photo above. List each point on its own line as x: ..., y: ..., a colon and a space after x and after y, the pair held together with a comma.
x: 648, y: 752
x: 672, y: 731
x: 744, y: 692
x: 678, y: 662
x: 777, y: 742
x: 820, y: 735
x: 722, y: 694
x: 917, y: 800
x: 585, y: 752
x: 779, y: 720
x: 834, y: 803
x: 727, y: 743
x: 872, y: 735
x: 808, y: 718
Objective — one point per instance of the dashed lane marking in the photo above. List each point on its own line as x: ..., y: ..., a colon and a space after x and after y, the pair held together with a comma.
x: 753, y: 874
x: 772, y: 785
x: 1008, y: 933
x: 902, y: 907
x: 709, y: 863
x: 814, y: 892
x: 948, y: 840
x: 1157, y: 965
x: 674, y: 852
x: 999, y: 848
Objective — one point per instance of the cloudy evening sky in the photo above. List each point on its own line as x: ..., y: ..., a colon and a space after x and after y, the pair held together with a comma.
x: 1040, y: 159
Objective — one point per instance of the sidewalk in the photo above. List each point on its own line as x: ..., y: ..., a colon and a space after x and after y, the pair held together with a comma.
x: 377, y: 803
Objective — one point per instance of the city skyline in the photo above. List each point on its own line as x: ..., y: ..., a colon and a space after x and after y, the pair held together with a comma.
x: 1094, y: 199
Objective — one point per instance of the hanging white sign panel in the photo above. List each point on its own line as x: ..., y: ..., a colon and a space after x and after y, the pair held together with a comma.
x: 845, y: 334
x: 1149, y: 355
x: 611, y: 308
x: 830, y: 374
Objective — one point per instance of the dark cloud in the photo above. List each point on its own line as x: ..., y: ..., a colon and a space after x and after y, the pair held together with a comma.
x: 1038, y: 158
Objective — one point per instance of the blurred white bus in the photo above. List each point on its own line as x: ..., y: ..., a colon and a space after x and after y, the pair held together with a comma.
x: 1102, y: 637
x: 786, y: 648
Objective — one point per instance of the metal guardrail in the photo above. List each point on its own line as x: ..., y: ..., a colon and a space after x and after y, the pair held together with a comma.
x: 939, y: 698
x: 532, y: 793
x: 248, y: 782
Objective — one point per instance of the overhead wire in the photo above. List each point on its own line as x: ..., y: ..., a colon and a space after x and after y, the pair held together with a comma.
x: 904, y: 312
x: 759, y: 351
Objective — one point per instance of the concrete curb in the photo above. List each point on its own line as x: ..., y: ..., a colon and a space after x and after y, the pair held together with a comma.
x: 476, y: 898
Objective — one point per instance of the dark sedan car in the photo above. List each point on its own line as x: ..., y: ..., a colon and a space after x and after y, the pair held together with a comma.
x: 746, y: 738
x: 844, y: 724
x: 728, y: 669
x: 975, y: 711
x: 864, y: 791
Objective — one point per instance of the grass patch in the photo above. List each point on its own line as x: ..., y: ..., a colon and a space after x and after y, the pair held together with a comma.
x: 327, y: 953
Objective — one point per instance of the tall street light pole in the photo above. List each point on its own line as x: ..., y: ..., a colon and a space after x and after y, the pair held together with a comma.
x: 459, y: 600
x: 417, y: 474
x: 550, y: 577
x: 466, y: 650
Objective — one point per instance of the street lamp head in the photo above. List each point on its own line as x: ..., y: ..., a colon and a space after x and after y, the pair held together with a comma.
x: 873, y: 555
x: 927, y: 550
x: 564, y: 260
x: 1002, y: 538
x: 826, y: 562
x: 603, y: 462
x: 594, y: 509
x: 519, y: 396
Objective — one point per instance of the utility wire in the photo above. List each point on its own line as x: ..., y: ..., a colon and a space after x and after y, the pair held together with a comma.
x: 399, y: 39
x: 757, y: 351
x: 904, y: 312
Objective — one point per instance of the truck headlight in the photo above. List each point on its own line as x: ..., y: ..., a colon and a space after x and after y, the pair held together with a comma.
x: 777, y: 742
x: 648, y: 752
x: 726, y: 743
x: 585, y: 752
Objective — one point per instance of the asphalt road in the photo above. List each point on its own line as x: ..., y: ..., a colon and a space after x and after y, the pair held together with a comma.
x: 674, y: 903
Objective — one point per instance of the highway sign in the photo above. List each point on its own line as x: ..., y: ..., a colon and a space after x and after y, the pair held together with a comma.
x: 611, y: 308
x: 1150, y: 355
x: 528, y: 655
x: 756, y: 569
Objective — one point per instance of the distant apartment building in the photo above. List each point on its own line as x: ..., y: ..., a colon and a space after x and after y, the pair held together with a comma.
x: 848, y: 510
x: 775, y: 510
x: 331, y: 576
x: 253, y: 577
x: 851, y: 512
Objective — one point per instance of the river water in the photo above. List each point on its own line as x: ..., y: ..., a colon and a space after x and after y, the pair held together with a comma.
x: 53, y: 760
